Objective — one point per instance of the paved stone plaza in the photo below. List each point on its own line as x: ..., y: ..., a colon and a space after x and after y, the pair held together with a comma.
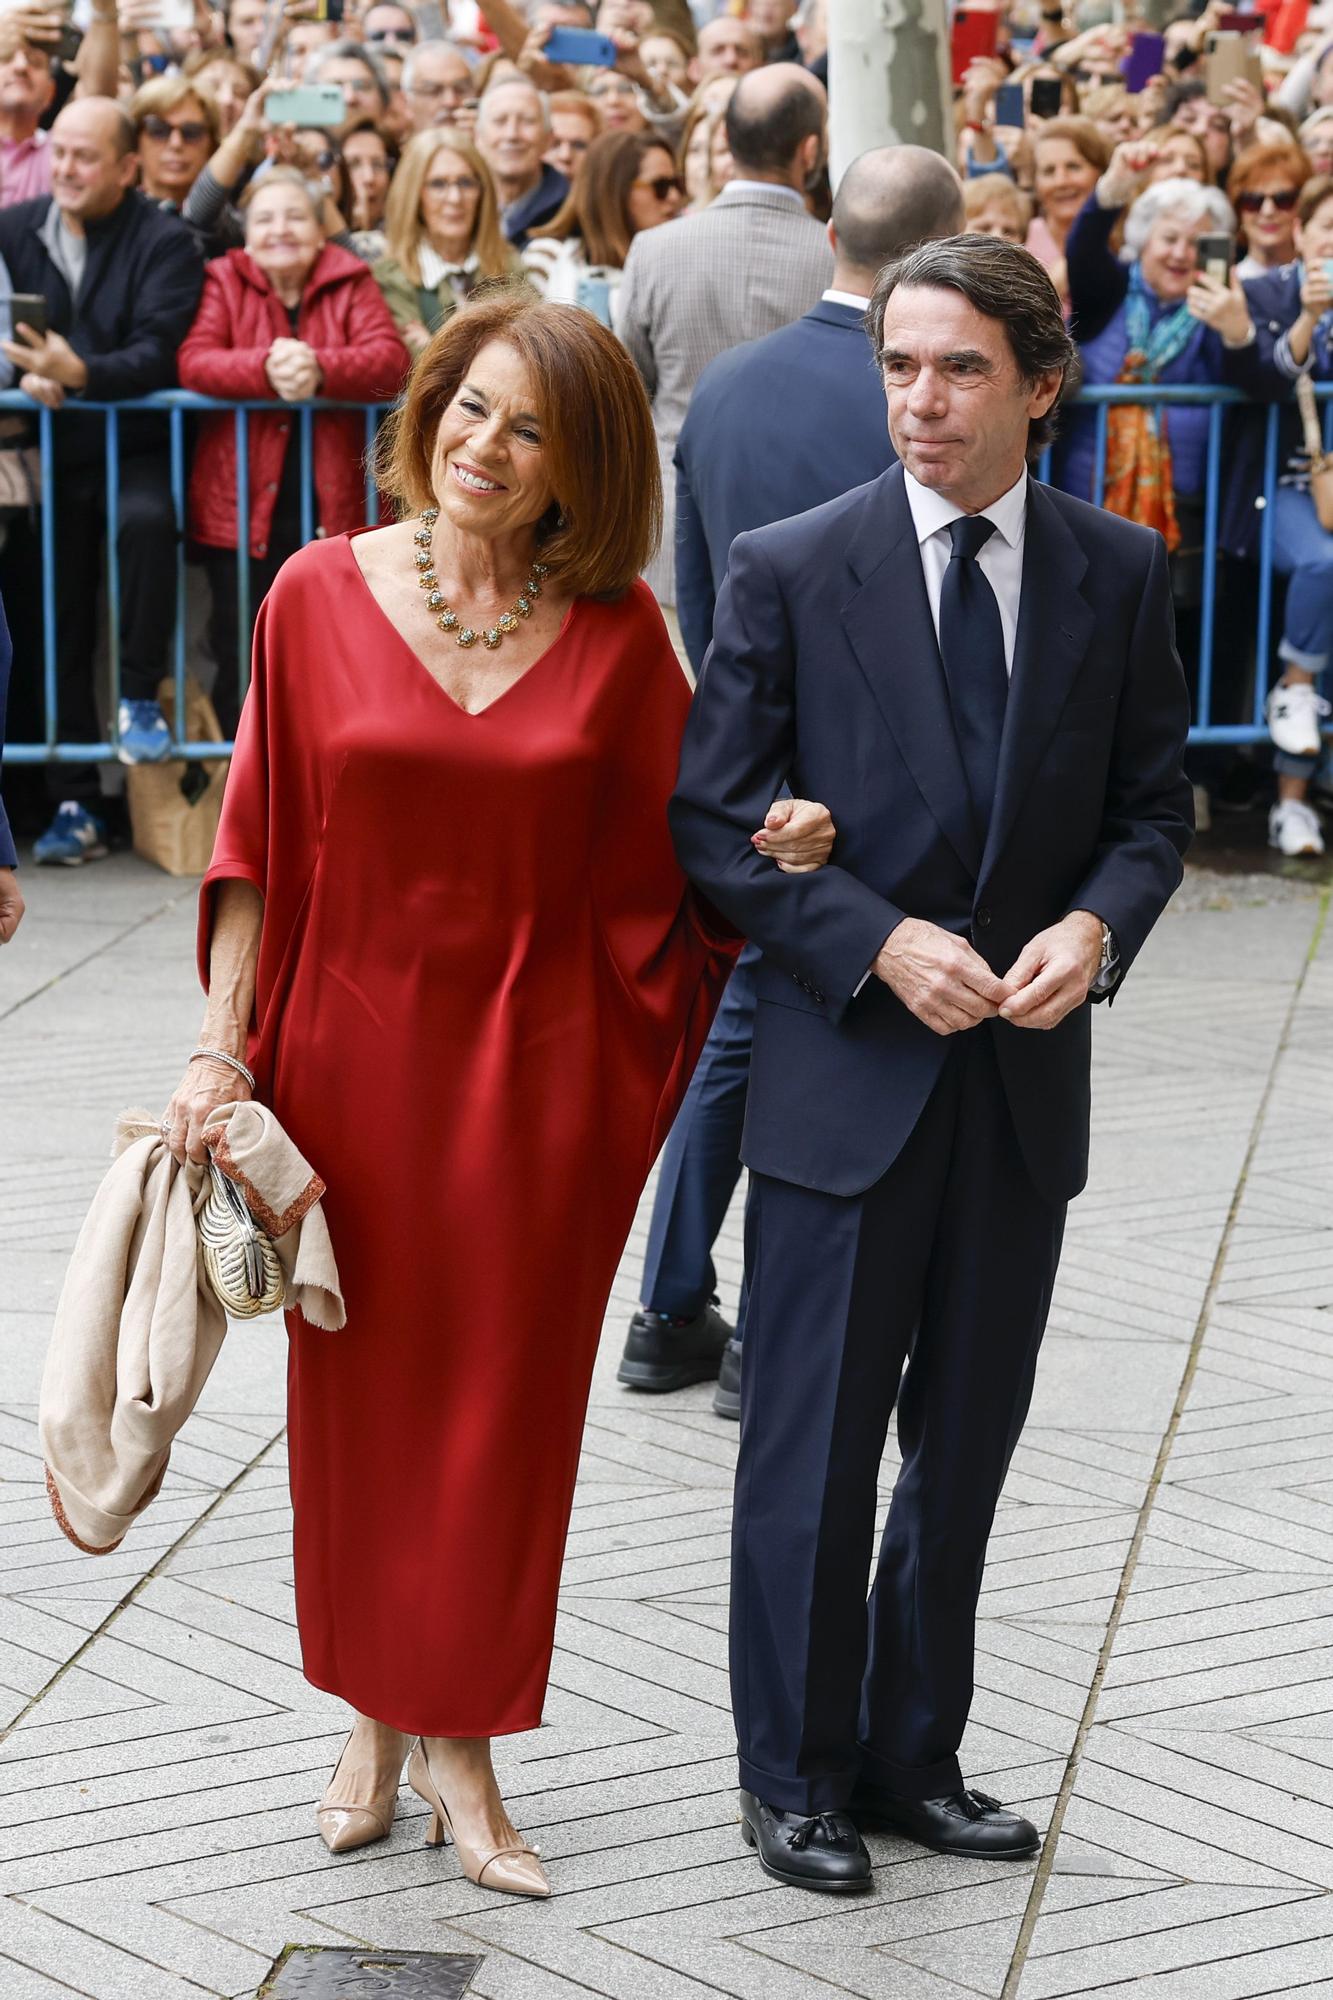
x: 1155, y: 1675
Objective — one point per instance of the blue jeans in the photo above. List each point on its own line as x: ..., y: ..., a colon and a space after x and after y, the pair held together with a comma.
x: 701, y: 1161
x: 1303, y: 552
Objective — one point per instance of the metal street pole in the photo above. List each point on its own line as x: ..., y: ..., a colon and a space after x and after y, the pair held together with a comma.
x: 889, y: 77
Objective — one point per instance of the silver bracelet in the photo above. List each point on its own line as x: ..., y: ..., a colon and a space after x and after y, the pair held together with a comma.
x: 232, y: 1062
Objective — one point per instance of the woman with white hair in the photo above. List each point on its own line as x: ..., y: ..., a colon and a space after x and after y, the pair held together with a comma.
x: 1148, y: 316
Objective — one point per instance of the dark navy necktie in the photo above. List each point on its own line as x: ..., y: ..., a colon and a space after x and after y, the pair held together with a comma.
x: 972, y: 648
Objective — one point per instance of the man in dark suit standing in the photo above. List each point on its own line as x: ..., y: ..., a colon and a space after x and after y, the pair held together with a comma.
x: 11, y: 896
x: 979, y: 676
x: 773, y: 428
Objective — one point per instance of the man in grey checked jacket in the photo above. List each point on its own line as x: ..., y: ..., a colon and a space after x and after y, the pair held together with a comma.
x: 752, y: 261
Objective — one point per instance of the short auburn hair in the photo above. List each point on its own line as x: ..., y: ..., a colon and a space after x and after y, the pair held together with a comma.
x: 605, y: 520
x: 1263, y: 162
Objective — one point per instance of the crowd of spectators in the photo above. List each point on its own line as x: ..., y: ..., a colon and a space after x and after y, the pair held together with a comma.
x: 186, y: 222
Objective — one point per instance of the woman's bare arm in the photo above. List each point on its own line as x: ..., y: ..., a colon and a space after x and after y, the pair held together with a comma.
x: 232, y: 959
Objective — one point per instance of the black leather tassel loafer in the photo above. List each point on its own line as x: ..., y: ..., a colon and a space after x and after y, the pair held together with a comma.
x: 962, y: 1823
x: 805, y: 1850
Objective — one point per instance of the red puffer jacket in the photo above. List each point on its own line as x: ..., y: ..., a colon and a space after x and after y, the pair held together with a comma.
x: 343, y: 317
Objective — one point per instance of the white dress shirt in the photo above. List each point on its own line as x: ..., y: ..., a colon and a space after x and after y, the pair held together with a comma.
x: 1000, y: 561
x: 833, y: 297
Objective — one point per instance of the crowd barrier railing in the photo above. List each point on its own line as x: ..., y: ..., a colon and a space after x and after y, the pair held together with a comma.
x: 178, y: 405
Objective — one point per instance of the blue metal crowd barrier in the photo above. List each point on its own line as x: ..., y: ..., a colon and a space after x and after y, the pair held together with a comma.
x: 178, y: 404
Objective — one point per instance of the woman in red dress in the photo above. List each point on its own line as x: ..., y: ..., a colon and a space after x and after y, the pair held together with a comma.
x: 445, y: 923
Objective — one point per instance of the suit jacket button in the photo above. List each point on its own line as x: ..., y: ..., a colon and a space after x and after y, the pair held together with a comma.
x: 982, y: 918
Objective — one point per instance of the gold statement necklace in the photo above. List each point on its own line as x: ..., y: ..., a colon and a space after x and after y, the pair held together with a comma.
x: 447, y: 619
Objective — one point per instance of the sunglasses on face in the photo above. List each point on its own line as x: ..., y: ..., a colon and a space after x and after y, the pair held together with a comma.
x: 662, y: 185
x: 1252, y: 201
x: 464, y: 185
x: 192, y: 131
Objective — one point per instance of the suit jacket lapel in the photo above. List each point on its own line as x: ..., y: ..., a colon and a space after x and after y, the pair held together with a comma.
x: 1055, y: 626
x: 892, y: 634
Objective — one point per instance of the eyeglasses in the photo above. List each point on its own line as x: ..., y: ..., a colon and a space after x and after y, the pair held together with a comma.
x: 663, y: 184
x: 464, y: 185
x: 191, y: 131
x: 614, y: 87
x: 1252, y: 201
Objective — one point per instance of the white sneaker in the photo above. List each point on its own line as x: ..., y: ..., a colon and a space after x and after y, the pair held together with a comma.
x: 1293, y: 828
x: 1294, y: 713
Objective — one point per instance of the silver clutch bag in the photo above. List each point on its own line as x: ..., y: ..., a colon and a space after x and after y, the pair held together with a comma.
x: 240, y: 1263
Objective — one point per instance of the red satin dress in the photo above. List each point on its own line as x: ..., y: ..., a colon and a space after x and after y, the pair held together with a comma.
x: 482, y: 986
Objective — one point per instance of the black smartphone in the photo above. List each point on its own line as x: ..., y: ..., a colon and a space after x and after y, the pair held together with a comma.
x: 29, y: 309
x: 1215, y: 254
x: 1047, y: 97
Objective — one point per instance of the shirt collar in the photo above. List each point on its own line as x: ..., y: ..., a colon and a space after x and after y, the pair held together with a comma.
x: 742, y: 186
x: 931, y: 511
x: 833, y: 297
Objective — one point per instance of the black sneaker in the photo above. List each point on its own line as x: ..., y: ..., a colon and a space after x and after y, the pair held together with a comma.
x: 663, y: 1352
x: 727, y: 1395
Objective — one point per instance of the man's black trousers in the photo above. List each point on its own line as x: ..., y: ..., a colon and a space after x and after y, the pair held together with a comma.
x: 948, y: 1262
x: 146, y: 546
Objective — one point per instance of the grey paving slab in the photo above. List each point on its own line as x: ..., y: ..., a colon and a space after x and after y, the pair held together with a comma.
x: 156, y: 1834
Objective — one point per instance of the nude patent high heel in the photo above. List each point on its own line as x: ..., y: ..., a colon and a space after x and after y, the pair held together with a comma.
x: 515, y: 1870
x: 345, y: 1827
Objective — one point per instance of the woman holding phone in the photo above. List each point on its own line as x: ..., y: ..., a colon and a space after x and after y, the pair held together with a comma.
x: 1291, y: 310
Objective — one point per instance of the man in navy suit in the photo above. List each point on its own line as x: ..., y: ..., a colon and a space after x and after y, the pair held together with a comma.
x: 978, y: 675
x: 11, y: 897
x: 773, y: 428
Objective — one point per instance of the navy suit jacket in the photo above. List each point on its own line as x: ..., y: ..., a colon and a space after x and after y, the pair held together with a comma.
x: 8, y: 856
x: 825, y: 673
x: 774, y: 428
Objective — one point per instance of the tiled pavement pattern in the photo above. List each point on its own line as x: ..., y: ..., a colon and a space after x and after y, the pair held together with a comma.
x: 1155, y: 1678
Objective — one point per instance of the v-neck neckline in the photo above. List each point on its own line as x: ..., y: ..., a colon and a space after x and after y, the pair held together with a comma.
x: 472, y: 714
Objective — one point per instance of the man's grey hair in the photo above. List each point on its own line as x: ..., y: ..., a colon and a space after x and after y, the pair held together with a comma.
x: 342, y: 52
x: 1003, y: 282
x: 516, y: 83
x: 435, y: 48
x: 892, y: 198
x: 1174, y: 197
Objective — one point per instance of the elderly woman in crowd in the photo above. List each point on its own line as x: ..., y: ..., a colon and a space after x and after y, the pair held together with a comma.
x: 444, y: 235
x: 1069, y: 156
x: 1142, y: 318
x: 995, y: 206
x: 444, y: 893
x: 357, y: 73
x: 289, y: 317
x: 1264, y: 187
x: 177, y: 129
x: 627, y: 182
x: 1291, y: 309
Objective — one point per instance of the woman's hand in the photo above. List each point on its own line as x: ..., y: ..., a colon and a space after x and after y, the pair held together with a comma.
x: 1130, y: 162
x: 798, y: 834
x: 1222, y: 307
x: 1244, y: 104
x: 205, y: 1086
x: 293, y: 371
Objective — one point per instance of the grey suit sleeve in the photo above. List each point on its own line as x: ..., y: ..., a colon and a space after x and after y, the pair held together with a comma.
x: 635, y: 329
